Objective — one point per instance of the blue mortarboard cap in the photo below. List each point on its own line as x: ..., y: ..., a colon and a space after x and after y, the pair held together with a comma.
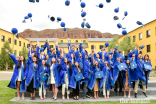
x: 67, y: 2
x: 142, y: 46
x: 108, y: 1
x: 37, y: 0
x: 52, y: 19
x: 83, y: 14
x: 115, y: 48
x: 59, y: 19
x: 64, y: 29
x: 82, y: 24
x: 63, y: 24
x: 119, y: 25
x: 116, y: 10
x: 26, y: 17
x: 140, y: 23
x: 88, y: 26
x: 124, y: 32
x: 83, y: 4
x: 125, y: 14
x: 14, y: 31
x: 32, y: 1
x: 110, y: 53
x: 116, y: 18
x: 106, y: 44
x: 100, y: 5
x: 30, y: 15
x: 41, y: 49
x: 84, y: 19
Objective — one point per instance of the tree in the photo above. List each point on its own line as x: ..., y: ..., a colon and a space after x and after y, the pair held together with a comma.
x: 5, y: 58
x: 112, y: 43
x: 24, y: 52
x: 126, y: 44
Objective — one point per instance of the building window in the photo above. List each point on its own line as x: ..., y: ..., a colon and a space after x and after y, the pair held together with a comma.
x: 51, y: 46
x: 140, y: 36
x: 24, y: 44
x: 9, y: 39
x: 148, y: 48
x: 92, y: 46
x: 61, y: 41
x: 19, y: 43
x: 2, y: 38
x: 133, y: 38
x: 76, y: 41
x: 27, y: 45
x: 15, y: 42
x: 148, y: 33
x: 101, y: 46
x: 84, y: 41
x: 15, y: 52
x: 42, y: 46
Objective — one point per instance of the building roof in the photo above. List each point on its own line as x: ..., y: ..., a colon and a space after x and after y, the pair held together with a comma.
x: 66, y: 44
x: 41, y: 39
x: 99, y: 39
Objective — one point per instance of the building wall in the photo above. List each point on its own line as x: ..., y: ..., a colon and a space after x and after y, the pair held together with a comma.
x: 146, y: 41
x: 13, y: 37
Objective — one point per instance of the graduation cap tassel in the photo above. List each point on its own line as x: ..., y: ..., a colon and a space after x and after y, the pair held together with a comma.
x: 23, y: 21
x: 143, y: 25
x: 123, y: 18
x: 17, y: 36
x: 124, y: 28
x: 82, y: 10
x: 48, y: 16
x: 97, y: 5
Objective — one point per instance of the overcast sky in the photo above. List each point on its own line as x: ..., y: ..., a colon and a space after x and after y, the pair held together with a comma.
x: 12, y: 14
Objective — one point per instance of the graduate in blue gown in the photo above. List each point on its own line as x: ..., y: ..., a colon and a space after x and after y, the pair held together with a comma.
x: 65, y: 75
x: 126, y: 75
x: 54, y: 74
x: 18, y: 78
x: 140, y: 73
x: 43, y: 69
x: 32, y: 76
x: 106, y: 79
x: 75, y: 85
x: 50, y: 51
x: 147, y: 72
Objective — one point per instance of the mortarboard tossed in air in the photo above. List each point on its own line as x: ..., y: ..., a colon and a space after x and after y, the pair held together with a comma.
x: 15, y: 31
x: 82, y: 24
x: 67, y: 2
x: 30, y: 15
x: 106, y: 44
x: 108, y: 1
x: 120, y: 26
x: 37, y: 1
x: 32, y: 1
x: 100, y: 5
x: 26, y: 17
x: 124, y: 32
x: 140, y: 23
x: 63, y: 25
x: 82, y: 5
x: 142, y: 46
x: 116, y: 10
x: 125, y: 13
x: 83, y: 14
x: 59, y: 19
x: 116, y: 18
x: 88, y: 26
x: 52, y: 19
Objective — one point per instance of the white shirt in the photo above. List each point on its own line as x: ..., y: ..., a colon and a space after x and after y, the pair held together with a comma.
x: 20, y: 72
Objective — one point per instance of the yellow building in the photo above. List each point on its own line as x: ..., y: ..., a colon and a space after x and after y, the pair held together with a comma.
x: 15, y: 44
x: 145, y: 36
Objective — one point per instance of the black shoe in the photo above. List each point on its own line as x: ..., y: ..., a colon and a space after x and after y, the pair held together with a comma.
x: 135, y: 95
x: 145, y: 94
x: 116, y: 94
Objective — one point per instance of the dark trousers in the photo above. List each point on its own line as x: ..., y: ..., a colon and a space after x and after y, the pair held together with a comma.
x: 119, y: 83
x: 84, y: 89
x: 146, y: 76
x: 89, y: 92
x: 133, y: 85
x: 76, y: 91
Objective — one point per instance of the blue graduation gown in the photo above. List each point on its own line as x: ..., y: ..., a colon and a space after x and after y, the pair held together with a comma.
x: 32, y: 74
x: 116, y: 70
x: 45, y: 71
x: 123, y: 73
x: 73, y: 82
x: 15, y: 75
x: 56, y: 74
x: 107, y: 73
x: 49, y: 53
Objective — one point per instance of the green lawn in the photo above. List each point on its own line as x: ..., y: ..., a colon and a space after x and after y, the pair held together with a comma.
x: 7, y: 94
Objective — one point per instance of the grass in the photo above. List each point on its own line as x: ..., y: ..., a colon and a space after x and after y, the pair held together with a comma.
x: 6, y: 94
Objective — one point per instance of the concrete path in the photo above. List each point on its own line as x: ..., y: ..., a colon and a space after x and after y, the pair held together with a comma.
x: 119, y: 99
x: 5, y: 75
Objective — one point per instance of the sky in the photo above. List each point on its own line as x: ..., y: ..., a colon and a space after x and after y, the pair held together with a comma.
x: 12, y: 13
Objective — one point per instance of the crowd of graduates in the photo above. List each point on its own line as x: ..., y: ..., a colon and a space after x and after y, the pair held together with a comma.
x: 56, y: 71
